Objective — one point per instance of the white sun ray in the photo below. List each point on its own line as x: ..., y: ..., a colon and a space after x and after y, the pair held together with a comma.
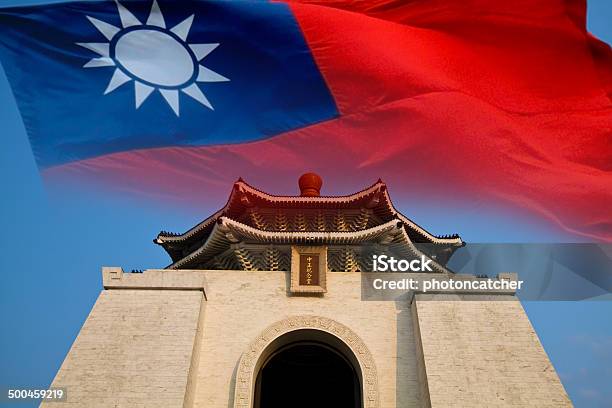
x: 142, y: 92
x: 196, y: 93
x: 202, y: 50
x: 100, y: 62
x: 208, y: 75
x: 182, y: 28
x: 156, y: 18
x: 101, y: 49
x: 169, y: 64
x: 126, y: 16
x: 107, y: 30
x: 118, y: 79
x: 172, y: 97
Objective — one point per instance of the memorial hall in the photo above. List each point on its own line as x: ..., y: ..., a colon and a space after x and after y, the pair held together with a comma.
x: 262, y: 306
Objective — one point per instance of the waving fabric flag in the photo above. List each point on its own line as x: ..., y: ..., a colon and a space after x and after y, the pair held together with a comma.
x: 98, y: 78
x: 503, y: 103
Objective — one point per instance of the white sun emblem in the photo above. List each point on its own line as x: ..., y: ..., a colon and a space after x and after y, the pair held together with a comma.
x: 153, y: 57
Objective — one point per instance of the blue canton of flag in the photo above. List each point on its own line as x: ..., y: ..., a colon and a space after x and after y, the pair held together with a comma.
x: 93, y: 78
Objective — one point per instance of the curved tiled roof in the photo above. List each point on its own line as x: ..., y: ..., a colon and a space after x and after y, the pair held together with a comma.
x: 241, y: 187
x: 244, y: 196
x: 227, y: 231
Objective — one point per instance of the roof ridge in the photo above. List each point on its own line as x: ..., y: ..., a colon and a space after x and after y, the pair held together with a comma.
x: 241, y: 183
x: 321, y: 198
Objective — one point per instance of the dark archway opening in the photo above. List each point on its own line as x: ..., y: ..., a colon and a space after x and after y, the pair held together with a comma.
x: 307, y: 375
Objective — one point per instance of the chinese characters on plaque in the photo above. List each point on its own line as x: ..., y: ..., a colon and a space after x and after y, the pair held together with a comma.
x: 308, y: 269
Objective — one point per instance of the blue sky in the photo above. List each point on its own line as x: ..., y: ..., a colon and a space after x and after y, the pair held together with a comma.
x: 55, y: 243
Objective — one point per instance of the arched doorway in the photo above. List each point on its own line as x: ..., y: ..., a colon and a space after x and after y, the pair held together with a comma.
x: 305, y: 330
x: 307, y: 374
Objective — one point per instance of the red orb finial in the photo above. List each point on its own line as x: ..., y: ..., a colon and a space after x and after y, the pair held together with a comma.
x: 310, y: 185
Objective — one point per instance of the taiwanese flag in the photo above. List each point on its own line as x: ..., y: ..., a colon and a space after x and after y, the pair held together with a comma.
x: 506, y: 104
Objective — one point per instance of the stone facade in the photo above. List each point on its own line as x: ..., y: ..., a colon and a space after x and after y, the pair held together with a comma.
x: 181, y: 338
x: 136, y: 345
x: 242, y: 305
x: 483, y: 353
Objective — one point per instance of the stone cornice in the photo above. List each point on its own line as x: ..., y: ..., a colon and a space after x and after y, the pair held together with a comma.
x: 153, y: 279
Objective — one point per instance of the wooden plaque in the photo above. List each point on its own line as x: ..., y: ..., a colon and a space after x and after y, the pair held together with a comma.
x: 308, y: 269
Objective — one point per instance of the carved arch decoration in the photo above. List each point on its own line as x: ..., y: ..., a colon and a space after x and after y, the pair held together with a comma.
x: 252, y: 359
